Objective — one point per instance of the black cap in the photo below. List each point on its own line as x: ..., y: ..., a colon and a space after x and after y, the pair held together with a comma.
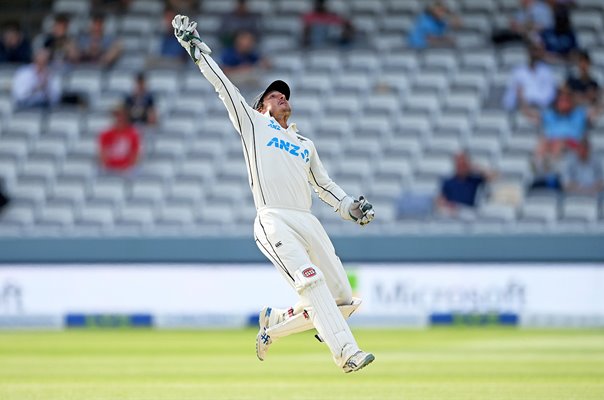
x: 277, y: 85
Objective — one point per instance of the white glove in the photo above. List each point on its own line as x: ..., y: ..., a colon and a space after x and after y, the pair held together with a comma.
x: 359, y: 211
x: 187, y: 36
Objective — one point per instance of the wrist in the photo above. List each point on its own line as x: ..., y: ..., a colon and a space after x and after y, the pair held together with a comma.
x: 344, y: 208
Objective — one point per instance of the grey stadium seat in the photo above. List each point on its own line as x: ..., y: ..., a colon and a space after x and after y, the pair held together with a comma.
x: 56, y: 216
x: 579, y: 209
x: 101, y: 215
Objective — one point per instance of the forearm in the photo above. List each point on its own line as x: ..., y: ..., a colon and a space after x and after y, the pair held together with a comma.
x: 239, y: 111
x: 328, y: 191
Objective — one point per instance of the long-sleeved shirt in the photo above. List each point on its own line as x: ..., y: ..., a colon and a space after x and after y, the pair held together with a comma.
x: 538, y: 86
x: 280, y: 162
x: 31, y: 89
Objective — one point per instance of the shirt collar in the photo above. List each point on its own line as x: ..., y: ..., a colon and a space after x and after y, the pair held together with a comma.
x: 293, y: 125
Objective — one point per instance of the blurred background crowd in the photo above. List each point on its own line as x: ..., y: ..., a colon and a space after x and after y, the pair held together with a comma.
x: 460, y: 115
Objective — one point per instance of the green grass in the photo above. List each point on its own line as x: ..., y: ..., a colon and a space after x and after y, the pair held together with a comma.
x: 464, y: 364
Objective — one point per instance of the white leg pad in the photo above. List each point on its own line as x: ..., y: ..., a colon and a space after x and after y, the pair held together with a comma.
x: 303, y: 321
x: 326, y: 318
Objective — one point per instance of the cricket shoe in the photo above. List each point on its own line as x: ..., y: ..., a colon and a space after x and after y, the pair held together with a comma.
x: 358, y: 360
x: 268, y: 317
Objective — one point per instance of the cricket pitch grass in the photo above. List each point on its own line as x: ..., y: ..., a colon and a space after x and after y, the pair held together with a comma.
x: 443, y: 364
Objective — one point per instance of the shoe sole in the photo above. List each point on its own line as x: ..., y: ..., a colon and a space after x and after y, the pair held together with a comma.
x: 366, y: 361
x: 261, y: 323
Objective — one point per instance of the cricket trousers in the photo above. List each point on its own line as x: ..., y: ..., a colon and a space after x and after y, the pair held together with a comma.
x: 299, y: 247
x: 291, y: 239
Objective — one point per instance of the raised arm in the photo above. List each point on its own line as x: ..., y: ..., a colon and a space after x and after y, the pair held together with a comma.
x: 240, y: 113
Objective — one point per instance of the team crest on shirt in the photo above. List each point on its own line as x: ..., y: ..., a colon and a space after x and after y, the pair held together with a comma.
x: 273, y: 124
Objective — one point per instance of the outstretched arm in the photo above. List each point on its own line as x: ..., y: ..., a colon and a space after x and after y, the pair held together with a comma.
x: 240, y: 113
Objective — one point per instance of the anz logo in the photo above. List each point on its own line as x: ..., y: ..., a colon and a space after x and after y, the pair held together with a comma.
x: 273, y: 125
x: 289, y: 147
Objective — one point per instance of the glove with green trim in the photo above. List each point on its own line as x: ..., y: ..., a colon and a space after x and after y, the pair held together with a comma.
x: 359, y: 211
x: 187, y: 36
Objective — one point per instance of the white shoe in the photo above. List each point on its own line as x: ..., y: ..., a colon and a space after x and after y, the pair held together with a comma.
x: 263, y: 341
x: 357, y: 361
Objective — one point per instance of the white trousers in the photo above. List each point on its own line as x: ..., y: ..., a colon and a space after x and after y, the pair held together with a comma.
x: 292, y: 239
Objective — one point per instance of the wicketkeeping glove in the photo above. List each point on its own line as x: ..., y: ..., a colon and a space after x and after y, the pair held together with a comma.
x: 360, y: 211
x: 187, y: 36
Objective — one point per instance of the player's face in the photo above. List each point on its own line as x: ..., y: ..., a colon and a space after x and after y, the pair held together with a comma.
x: 276, y: 103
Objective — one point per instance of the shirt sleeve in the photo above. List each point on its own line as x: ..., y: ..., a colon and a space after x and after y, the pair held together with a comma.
x: 240, y: 113
x: 325, y: 187
x: 21, y: 86
x: 509, y: 97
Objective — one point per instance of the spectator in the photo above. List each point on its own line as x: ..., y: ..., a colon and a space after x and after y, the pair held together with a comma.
x: 35, y: 85
x: 120, y: 145
x: 243, y: 61
x: 585, y: 88
x: 582, y: 174
x: 141, y: 104
x: 63, y: 49
x: 322, y: 27
x: 170, y: 52
x: 14, y: 47
x: 459, y: 192
x: 96, y: 47
x: 564, y: 125
x: 559, y: 42
x: 431, y: 27
x: 533, y: 84
x: 240, y: 19
x: 526, y: 24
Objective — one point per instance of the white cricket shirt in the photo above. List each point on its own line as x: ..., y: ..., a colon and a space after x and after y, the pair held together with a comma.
x: 280, y: 162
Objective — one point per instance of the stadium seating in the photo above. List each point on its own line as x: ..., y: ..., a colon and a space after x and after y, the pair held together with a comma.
x: 386, y: 120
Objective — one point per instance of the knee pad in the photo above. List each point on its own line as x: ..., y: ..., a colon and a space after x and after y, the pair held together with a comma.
x: 307, y: 276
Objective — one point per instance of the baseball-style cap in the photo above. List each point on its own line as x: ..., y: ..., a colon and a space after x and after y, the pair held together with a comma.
x: 277, y: 85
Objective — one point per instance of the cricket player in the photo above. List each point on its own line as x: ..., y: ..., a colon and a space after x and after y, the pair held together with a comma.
x: 281, y: 163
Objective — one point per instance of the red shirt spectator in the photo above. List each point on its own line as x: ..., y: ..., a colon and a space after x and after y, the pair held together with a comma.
x: 120, y: 145
x: 323, y: 27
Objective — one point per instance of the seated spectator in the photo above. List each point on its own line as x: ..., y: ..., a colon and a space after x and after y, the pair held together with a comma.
x: 14, y: 47
x: 97, y: 47
x: 564, y: 125
x: 119, y: 146
x: 322, y: 27
x: 532, y: 85
x: 242, y: 61
x: 431, y: 28
x: 560, y: 41
x: 459, y: 191
x: 141, y: 104
x: 36, y: 85
x: 170, y: 52
x: 240, y: 19
x: 532, y: 17
x: 583, y: 85
x: 63, y: 49
x: 582, y: 174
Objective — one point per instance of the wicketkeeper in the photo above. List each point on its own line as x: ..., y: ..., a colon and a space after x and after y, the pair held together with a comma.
x: 281, y: 163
